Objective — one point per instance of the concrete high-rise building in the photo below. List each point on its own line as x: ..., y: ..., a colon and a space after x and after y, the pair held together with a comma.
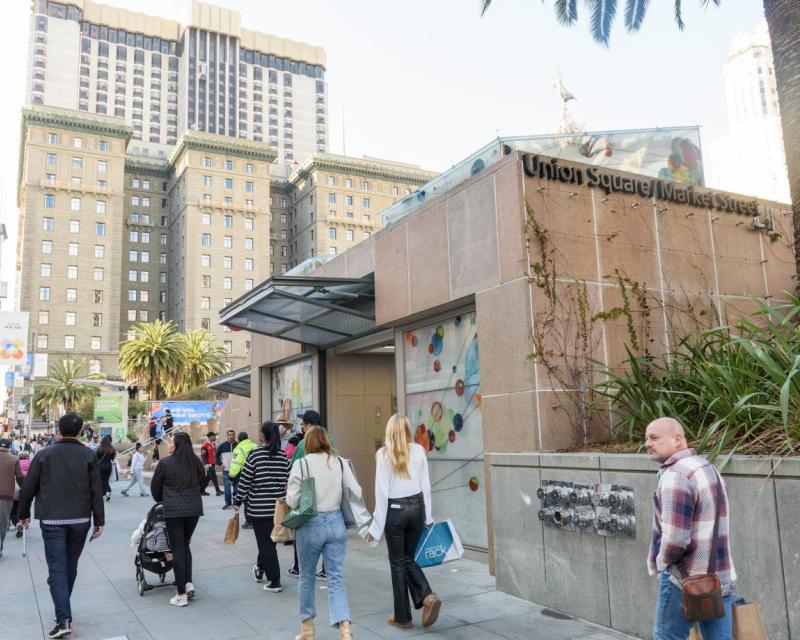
x: 209, y: 74
x: 751, y: 158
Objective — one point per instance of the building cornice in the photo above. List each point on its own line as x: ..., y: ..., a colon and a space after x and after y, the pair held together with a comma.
x: 364, y: 167
x: 221, y: 144
x: 148, y: 167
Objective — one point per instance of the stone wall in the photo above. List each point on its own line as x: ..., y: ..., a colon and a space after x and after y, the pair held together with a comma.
x: 605, y: 579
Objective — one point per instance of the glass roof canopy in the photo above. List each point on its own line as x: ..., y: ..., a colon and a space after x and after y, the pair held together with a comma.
x: 316, y: 311
x: 236, y: 382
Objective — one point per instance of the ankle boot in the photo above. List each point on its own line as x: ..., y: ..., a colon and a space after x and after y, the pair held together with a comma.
x: 306, y: 630
x: 345, y: 633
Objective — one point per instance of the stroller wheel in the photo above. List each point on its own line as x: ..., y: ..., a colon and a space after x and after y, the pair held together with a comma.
x: 141, y: 587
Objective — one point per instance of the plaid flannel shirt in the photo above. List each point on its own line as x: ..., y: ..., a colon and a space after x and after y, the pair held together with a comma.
x: 685, y: 504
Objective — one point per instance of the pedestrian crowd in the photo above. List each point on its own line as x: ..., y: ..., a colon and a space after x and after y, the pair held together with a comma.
x: 689, y: 550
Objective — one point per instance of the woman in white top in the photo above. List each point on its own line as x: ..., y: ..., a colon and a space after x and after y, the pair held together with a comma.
x: 325, y: 534
x: 402, y: 511
x: 137, y: 471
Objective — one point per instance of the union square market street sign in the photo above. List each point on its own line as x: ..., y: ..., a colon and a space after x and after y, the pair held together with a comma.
x: 595, y: 177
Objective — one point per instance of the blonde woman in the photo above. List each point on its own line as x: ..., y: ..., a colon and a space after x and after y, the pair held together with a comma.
x: 402, y: 511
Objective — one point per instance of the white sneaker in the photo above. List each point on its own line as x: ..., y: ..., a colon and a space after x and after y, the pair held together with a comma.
x: 190, y: 591
x: 179, y: 600
x: 272, y: 587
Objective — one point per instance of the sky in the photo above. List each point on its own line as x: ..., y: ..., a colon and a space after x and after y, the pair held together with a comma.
x: 430, y: 81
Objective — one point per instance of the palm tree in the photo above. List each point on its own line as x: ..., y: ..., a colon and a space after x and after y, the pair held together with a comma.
x: 65, y: 386
x: 783, y: 21
x: 153, y: 357
x: 202, y: 359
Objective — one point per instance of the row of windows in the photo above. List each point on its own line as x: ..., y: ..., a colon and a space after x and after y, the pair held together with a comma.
x: 227, y: 283
x: 144, y: 237
x: 70, y: 319
x: 77, y: 143
x: 76, y: 181
x: 71, y: 295
x: 248, y: 185
x: 349, y: 234
x: 227, y: 200
x: 227, y: 263
x: 367, y: 219
x: 227, y: 242
x: 208, y: 163
x: 144, y: 218
x: 143, y: 295
x: 74, y: 204
x: 95, y: 344
x: 77, y: 162
x: 73, y: 249
x: 144, y: 276
x: 49, y: 225
x: 348, y: 200
x: 227, y: 220
x: 144, y: 256
x: 46, y: 271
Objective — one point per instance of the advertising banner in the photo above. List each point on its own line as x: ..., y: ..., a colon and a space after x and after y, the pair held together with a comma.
x: 110, y: 409
x: 9, y: 379
x: 184, y: 412
x: 13, y: 337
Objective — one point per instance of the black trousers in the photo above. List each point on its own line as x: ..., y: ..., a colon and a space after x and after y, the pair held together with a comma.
x: 105, y: 477
x: 180, y: 532
x: 211, y: 476
x: 267, y: 553
x: 405, y: 522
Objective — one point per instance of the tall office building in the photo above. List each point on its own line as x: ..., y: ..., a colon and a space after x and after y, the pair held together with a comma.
x: 751, y: 158
x: 163, y: 77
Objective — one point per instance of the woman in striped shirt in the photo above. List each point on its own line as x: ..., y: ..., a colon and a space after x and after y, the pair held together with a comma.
x: 262, y: 481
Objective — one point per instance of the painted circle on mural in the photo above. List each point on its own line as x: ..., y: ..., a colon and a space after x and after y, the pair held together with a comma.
x: 476, y: 398
x: 430, y: 348
x: 440, y: 331
x: 437, y: 366
x: 436, y: 344
x: 458, y: 422
x: 459, y: 387
x: 474, y: 483
x: 451, y: 436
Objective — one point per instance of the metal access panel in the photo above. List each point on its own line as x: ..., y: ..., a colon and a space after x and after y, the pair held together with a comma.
x: 604, y: 509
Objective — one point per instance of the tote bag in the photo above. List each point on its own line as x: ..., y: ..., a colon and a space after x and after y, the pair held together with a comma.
x: 354, y: 511
x: 438, y: 543
x: 307, y: 507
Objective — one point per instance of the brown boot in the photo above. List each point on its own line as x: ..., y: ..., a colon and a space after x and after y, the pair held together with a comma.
x: 400, y: 625
x: 306, y: 630
x: 345, y: 633
x: 430, y: 609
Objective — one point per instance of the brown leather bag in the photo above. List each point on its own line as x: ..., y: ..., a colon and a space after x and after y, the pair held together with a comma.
x: 702, y: 593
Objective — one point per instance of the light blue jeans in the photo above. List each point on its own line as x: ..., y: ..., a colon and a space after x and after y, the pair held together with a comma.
x: 137, y: 477
x: 324, y: 535
x: 670, y: 623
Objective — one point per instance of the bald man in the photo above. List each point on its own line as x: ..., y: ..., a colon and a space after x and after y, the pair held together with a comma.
x: 689, y: 496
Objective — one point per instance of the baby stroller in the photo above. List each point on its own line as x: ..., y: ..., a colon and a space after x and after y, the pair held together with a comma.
x: 153, y: 551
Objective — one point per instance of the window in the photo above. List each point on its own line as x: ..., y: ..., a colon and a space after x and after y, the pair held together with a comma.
x: 348, y: 183
x: 206, y: 181
x: 207, y: 162
x: 50, y: 178
x: 162, y: 277
x: 134, y: 217
x: 229, y: 183
x: 248, y: 284
x: 348, y: 201
x: 75, y: 204
x: 365, y: 186
x: 100, y: 206
x: 163, y: 240
x: 132, y: 294
x: 44, y: 317
x: 131, y: 315
x: 367, y: 234
x: 49, y: 200
x: 332, y: 213
x: 227, y: 283
x: 366, y: 217
x: 72, y: 295
x: 44, y: 293
x: 100, y: 228
x: 76, y: 182
x: 205, y: 302
x: 52, y: 138
x: 248, y: 264
x: 248, y: 186
x: 206, y: 240
x: 229, y: 165
x: 248, y: 224
x: 284, y: 268
x: 72, y: 248
x: 133, y: 275
x: 205, y: 323
x: 331, y: 198
x: 77, y: 163
x: 283, y: 218
x: 72, y: 272
x: 97, y: 319
x: 365, y: 203
x: 162, y: 258
x: 69, y: 342
x: 135, y: 201
x: 145, y: 184
x: 228, y: 345
x: 331, y: 251
x: 146, y: 237
x: 144, y: 256
x: 45, y: 270
x: 332, y: 233
x: 96, y: 343
x: 283, y: 234
x: 98, y: 296
x: 350, y: 235
x: 395, y: 191
x: 133, y: 256
x: 77, y: 143
x: 248, y: 244
x: 48, y: 224
x: 51, y: 158
x: 206, y: 281
x: 228, y: 222
x: 70, y: 318
x: 102, y: 166
x: 145, y: 201
x: 205, y: 260
x: 248, y: 204
x: 133, y: 236
x: 249, y: 167
x: 99, y: 251
x: 227, y: 262
x: 144, y: 295
x: 227, y: 242
x: 41, y: 341
x: 103, y: 145
x: 228, y: 200
x: 162, y: 297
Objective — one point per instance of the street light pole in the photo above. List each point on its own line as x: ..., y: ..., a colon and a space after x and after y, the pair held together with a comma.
x: 33, y: 377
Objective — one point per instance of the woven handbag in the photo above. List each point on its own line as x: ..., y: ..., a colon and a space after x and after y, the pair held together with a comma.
x: 307, y: 507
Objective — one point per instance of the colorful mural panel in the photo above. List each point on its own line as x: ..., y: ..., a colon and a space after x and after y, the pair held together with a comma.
x: 293, y: 390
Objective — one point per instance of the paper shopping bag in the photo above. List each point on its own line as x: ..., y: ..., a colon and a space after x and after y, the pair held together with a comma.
x: 279, y: 532
x: 438, y: 543
x: 747, y: 622
x: 695, y: 633
x: 232, y: 532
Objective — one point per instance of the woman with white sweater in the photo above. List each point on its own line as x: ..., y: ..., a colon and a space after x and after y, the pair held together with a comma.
x: 402, y: 511
x: 137, y: 471
x: 325, y: 534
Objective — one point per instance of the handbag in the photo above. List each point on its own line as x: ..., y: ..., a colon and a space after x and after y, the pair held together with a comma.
x: 281, y: 533
x: 438, y: 543
x: 354, y: 511
x: 232, y: 531
x: 702, y: 593
x: 307, y: 506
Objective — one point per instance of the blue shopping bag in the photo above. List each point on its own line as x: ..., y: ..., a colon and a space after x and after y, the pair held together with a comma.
x: 438, y: 543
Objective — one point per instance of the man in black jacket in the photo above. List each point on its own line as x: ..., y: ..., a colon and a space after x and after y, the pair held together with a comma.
x: 64, y: 479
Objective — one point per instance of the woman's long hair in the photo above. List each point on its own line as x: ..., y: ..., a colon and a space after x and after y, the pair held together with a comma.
x: 398, y: 435
x: 190, y: 470
x: 106, y: 448
x: 317, y: 441
x: 271, y: 433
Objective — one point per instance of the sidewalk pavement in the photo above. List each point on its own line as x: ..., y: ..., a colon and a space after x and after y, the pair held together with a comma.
x: 230, y: 605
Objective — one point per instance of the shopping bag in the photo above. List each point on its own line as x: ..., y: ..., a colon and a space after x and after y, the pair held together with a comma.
x: 232, y: 531
x: 307, y: 507
x: 747, y: 622
x: 354, y: 511
x: 438, y: 543
x: 279, y: 532
x: 694, y: 634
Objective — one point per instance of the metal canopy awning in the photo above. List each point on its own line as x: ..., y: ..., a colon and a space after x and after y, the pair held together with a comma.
x: 236, y: 382
x: 315, y: 311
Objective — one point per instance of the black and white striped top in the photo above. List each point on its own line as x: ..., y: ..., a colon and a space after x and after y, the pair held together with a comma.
x: 262, y: 481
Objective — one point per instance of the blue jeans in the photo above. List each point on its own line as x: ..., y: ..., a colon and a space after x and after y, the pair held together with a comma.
x: 226, y: 485
x: 670, y: 623
x: 324, y: 534
x: 63, y: 544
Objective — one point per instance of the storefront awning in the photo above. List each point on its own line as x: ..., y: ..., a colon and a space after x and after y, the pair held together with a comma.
x: 236, y: 382
x: 315, y: 311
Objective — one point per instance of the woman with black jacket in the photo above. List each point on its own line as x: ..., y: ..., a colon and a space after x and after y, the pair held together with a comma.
x: 106, y: 454
x: 262, y: 481
x: 177, y: 483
